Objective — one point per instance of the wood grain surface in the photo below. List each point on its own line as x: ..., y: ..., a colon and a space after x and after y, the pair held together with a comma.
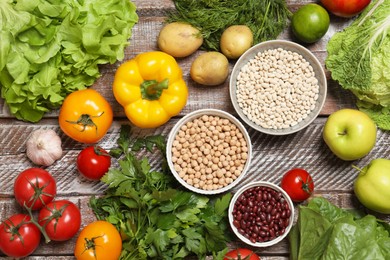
x: 272, y: 155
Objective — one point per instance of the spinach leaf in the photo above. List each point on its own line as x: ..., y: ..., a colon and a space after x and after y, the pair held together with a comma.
x: 324, y: 231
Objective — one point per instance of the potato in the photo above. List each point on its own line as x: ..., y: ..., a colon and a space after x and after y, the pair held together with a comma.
x: 235, y: 40
x: 210, y: 68
x: 179, y: 39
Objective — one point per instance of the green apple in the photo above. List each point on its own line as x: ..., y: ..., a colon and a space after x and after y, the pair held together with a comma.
x: 350, y: 134
x: 372, y: 186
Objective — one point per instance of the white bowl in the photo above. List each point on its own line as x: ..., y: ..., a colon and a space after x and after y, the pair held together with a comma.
x: 285, y: 197
x: 192, y: 116
x: 288, y: 46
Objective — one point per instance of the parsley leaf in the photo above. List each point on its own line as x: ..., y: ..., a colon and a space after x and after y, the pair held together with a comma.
x: 157, y: 218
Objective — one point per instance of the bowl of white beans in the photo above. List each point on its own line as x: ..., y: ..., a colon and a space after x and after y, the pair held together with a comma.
x: 209, y: 151
x: 278, y: 87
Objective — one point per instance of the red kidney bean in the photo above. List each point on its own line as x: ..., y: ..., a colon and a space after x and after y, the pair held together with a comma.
x: 236, y: 223
x: 261, y: 214
x: 259, y: 196
x: 284, y: 214
x: 268, y: 218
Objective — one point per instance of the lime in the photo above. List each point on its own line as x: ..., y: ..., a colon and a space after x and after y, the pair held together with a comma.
x: 310, y: 23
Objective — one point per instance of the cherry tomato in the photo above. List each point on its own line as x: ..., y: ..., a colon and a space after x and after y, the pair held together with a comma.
x: 298, y: 184
x: 345, y: 8
x: 61, y: 220
x: 34, y: 188
x: 93, y: 162
x: 18, y: 236
x: 241, y: 254
x: 85, y: 116
x: 98, y: 240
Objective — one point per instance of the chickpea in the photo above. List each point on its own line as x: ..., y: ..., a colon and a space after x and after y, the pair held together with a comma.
x: 207, y: 152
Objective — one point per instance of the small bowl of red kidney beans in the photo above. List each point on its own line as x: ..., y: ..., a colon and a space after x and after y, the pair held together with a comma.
x: 261, y: 214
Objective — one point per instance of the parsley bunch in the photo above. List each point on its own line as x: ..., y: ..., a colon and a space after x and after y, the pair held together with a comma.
x: 157, y: 219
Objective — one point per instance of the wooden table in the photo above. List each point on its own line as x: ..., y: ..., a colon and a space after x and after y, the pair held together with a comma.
x: 272, y: 155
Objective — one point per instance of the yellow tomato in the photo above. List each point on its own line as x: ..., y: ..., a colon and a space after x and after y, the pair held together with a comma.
x: 98, y: 240
x: 85, y: 116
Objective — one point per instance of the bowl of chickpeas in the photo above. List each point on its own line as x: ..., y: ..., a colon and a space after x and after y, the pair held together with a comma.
x: 209, y: 151
x: 261, y: 214
x: 278, y: 87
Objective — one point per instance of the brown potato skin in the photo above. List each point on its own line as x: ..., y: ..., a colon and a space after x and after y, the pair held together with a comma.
x: 179, y: 39
x: 210, y: 68
x: 235, y: 40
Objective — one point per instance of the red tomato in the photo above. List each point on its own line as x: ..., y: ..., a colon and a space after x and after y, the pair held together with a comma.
x: 34, y: 187
x: 93, y: 162
x: 18, y: 236
x: 241, y: 254
x: 61, y: 220
x: 298, y: 184
x: 345, y: 8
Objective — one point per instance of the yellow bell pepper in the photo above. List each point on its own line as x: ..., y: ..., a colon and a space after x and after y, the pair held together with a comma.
x: 151, y: 89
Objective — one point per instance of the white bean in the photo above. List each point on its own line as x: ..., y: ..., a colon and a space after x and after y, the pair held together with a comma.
x: 278, y: 84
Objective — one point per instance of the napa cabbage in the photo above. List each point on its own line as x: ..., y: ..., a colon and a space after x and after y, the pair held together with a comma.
x: 359, y: 60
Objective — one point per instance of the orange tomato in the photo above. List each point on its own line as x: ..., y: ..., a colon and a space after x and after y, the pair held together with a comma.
x: 85, y: 116
x: 98, y: 240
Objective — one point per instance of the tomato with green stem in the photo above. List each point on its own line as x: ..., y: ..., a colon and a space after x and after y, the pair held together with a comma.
x: 98, y: 240
x: 93, y: 162
x: 19, y: 237
x: 85, y: 116
x: 61, y: 220
x: 298, y: 184
x: 34, y: 188
x: 241, y: 254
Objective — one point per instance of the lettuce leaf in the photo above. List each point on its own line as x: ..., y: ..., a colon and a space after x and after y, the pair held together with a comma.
x: 324, y: 231
x: 49, y: 49
x: 358, y: 59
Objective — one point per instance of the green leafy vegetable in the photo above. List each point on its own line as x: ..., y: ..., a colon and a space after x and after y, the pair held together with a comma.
x: 324, y: 231
x: 266, y: 19
x: 49, y: 49
x: 358, y: 58
x: 158, y: 220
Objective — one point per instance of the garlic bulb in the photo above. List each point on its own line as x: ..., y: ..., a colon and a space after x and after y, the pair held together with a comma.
x: 44, y: 147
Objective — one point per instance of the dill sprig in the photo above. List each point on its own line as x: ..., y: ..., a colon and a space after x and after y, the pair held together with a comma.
x: 266, y: 18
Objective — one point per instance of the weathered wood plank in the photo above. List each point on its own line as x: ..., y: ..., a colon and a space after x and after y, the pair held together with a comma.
x: 272, y: 157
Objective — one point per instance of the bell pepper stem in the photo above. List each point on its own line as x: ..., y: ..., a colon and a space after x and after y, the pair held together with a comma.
x: 152, y: 89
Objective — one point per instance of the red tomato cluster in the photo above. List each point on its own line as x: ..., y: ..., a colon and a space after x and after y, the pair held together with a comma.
x: 58, y: 220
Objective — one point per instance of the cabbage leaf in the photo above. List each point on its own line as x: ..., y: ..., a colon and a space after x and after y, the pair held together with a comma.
x: 358, y: 59
x: 50, y: 48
